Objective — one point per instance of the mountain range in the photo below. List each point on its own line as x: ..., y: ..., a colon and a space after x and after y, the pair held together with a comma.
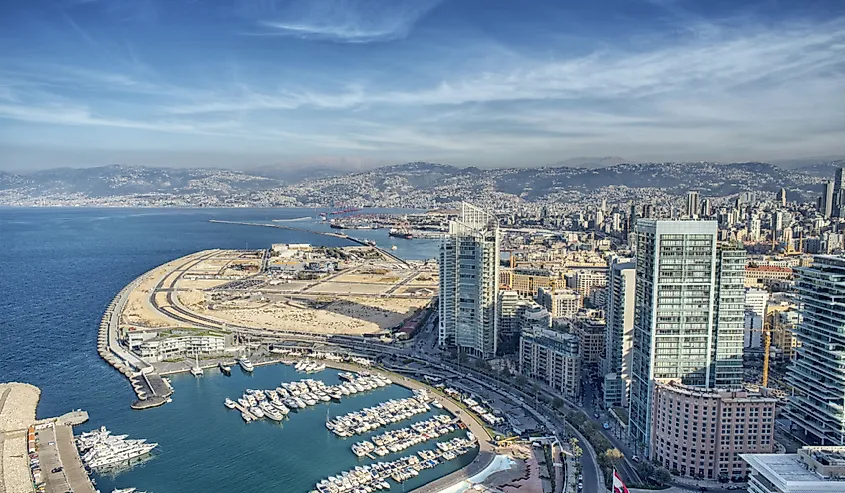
x: 410, y: 184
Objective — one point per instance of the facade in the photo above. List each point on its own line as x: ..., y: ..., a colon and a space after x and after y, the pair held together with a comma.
x: 469, y: 281
x: 561, y: 303
x: 527, y: 281
x: 826, y: 200
x: 688, y: 318
x: 508, y: 307
x: 692, y: 205
x: 756, y: 300
x: 817, y: 407
x: 763, y: 275
x: 784, y: 324
x: 162, y: 345
x: 584, y: 281
x: 811, y: 470
x: 590, y: 327
x: 619, y: 336
x: 701, y: 432
x: 551, y: 357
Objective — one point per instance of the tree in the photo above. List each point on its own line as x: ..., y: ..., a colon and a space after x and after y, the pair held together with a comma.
x: 645, y: 470
x: 521, y: 381
x: 557, y: 403
x: 662, y: 475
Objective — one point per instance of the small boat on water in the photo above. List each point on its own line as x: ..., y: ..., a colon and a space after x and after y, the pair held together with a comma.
x: 229, y: 403
x: 224, y: 369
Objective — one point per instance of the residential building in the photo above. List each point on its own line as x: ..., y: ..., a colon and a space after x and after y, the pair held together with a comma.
x: 561, y: 303
x: 784, y: 324
x: 688, y: 316
x: 509, y: 306
x: 692, y: 205
x: 583, y: 281
x: 619, y: 336
x: 811, y: 470
x: 469, y: 281
x: 590, y: 327
x: 817, y: 406
x: 700, y: 432
x: 764, y: 275
x: 782, y: 197
x: 526, y: 281
x: 756, y: 300
x: 553, y: 358
x: 159, y: 345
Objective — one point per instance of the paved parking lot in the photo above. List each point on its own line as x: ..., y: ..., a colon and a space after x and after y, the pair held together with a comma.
x: 48, y: 453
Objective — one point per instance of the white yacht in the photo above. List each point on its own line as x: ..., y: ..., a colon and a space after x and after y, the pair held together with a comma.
x: 246, y: 364
x: 229, y: 403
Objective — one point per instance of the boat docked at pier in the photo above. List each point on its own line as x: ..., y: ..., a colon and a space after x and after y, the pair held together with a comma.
x: 224, y: 368
x: 102, y: 450
x: 245, y: 364
x: 386, y: 413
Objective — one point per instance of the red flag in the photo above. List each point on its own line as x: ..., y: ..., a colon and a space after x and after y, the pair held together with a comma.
x: 618, y: 485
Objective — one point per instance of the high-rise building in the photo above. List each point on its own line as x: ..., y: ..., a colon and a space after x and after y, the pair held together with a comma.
x: 839, y: 193
x: 826, y: 201
x: 469, y: 281
x: 561, y: 303
x: 681, y: 333
x: 817, y: 407
x: 782, y: 197
x: 619, y: 336
x: 553, y: 358
x: 692, y: 205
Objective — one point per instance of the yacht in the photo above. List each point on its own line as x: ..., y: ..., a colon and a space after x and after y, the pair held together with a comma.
x: 246, y: 364
x: 229, y: 403
x: 224, y: 369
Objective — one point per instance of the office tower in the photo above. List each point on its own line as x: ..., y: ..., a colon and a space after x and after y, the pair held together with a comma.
x: 619, y: 335
x: 692, y: 205
x: 681, y: 332
x: 817, y: 407
x: 706, y: 208
x: 469, y: 280
x: 839, y: 193
x: 777, y: 222
x: 782, y: 197
x: 729, y: 316
x: 826, y: 200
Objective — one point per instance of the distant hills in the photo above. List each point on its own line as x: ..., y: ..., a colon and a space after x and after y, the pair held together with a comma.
x: 410, y: 184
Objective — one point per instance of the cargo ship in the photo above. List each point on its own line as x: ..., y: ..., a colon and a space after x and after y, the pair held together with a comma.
x: 400, y: 233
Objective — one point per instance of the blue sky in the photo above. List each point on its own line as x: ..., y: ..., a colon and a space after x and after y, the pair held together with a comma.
x: 359, y: 83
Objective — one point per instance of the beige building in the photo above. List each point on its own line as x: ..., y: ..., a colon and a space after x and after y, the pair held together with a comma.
x: 700, y: 432
x: 583, y: 281
x: 551, y: 357
x: 561, y: 303
x: 590, y: 327
x: 758, y: 276
x: 526, y: 282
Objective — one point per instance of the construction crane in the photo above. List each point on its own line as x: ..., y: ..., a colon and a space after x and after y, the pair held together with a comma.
x: 767, y: 346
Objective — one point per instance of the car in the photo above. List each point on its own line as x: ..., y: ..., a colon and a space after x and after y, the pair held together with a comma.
x: 635, y: 458
x: 56, y: 469
x: 596, y: 415
x: 606, y: 426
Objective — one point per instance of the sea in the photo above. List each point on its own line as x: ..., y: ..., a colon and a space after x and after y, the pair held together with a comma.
x: 60, y: 268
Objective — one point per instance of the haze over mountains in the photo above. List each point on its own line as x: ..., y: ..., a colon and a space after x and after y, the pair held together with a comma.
x: 419, y: 184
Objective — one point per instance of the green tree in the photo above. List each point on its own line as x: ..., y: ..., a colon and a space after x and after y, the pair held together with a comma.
x: 521, y: 381
x: 645, y: 470
x: 662, y: 475
x: 557, y: 403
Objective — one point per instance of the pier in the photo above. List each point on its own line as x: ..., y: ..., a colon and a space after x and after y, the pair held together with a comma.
x: 343, y: 236
x: 51, y: 440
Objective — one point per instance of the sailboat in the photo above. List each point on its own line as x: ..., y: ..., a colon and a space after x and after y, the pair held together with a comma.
x: 196, y: 370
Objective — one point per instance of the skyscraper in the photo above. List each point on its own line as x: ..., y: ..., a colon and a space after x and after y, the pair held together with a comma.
x: 839, y: 193
x: 469, y: 279
x: 817, y: 407
x: 782, y: 197
x: 619, y: 334
x: 826, y: 203
x: 692, y: 205
x: 689, y: 313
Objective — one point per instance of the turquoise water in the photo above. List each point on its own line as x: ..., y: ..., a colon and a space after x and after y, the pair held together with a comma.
x: 60, y: 268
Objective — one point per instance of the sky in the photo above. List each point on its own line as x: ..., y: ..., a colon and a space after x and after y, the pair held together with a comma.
x: 361, y: 83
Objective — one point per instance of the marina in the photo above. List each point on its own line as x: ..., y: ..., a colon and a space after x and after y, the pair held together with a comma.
x: 403, y: 438
x: 372, y: 477
x: 371, y: 418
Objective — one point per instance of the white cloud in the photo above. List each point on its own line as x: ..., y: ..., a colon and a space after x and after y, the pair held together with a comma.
x: 346, y: 21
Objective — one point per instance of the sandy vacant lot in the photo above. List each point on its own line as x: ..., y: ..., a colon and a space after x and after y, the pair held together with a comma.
x: 18, y: 412
x: 354, y: 315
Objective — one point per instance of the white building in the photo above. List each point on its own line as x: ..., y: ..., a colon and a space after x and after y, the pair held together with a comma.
x: 689, y: 316
x: 162, y: 345
x: 469, y: 282
x: 553, y: 358
x: 811, y: 470
x: 561, y: 303
x: 817, y: 407
x: 756, y: 300
x: 619, y: 336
